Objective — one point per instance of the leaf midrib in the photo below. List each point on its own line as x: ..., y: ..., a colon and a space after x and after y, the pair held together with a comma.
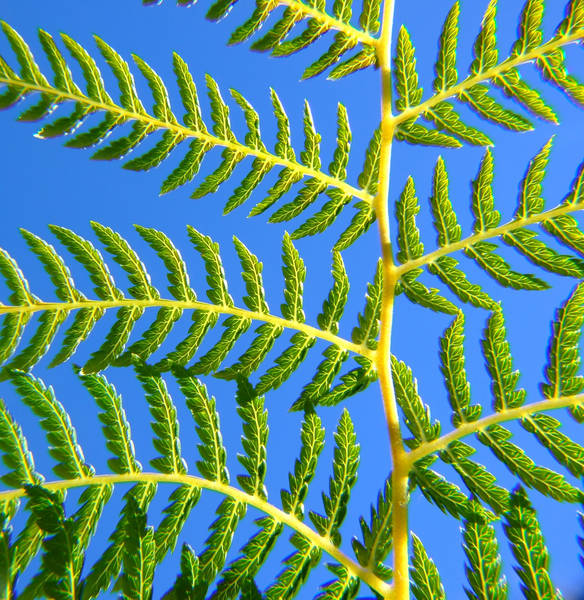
x: 309, y: 330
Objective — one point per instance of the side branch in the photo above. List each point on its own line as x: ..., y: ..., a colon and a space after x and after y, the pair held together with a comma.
x: 189, y: 305
x: 186, y: 133
x: 279, y: 515
x: 489, y: 234
x: 506, y: 65
x: 510, y: 414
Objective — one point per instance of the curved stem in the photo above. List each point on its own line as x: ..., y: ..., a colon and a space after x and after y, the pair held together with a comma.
x: 285, y: 518
x: 390, y: 278
x: 195, y: 305
x: 471, y: 427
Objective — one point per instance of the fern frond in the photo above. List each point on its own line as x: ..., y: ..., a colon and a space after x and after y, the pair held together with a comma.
x: 452, y: 366
x: 447, y: 496
x: 417, y: 414
x: 202, y: 138
x: 483, y: 570
x: 424, y: 574
x: 526, y: 540
x: 61, y: 438
x: 477, y: 246
x: 205, y: 314
x: 487, y: 70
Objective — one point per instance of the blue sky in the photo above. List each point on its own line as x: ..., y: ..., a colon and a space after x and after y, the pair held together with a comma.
x: 43, y: 183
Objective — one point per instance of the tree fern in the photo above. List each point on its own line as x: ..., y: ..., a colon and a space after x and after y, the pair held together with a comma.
x: 194, y: 447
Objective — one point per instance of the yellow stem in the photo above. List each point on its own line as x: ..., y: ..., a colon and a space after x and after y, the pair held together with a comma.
x: 195, y: 305
x: 509, y: 414
x: 291, y: 521
x: 563, y: 209
x: 390, y: 278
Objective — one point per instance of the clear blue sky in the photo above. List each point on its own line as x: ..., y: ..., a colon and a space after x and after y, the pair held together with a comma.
x: 43, y: 183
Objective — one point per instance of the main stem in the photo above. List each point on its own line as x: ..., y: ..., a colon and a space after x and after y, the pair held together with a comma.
x: 400, y: 465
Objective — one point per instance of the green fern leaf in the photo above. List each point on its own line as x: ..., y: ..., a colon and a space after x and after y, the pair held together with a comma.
x: 294, y: 273
x: 409, y: 92
x: 537, y: 252
x: 15, y: 453
x: 127, y: 258
x: 368, y: 323
x: 165, y: 425
x: 254, y: 553
x: 414, y: 133
x: 202, y: 407
x: 298, y: 566
x: 55, y: 267
x: 424, y: 574
x: 514, y: 87
x: 565, y: 451
x: 452, y: 367
x: 377, y: 536
x: 286, y: 363
x: 406, y: 208
x: 352, y: 382
x: 177, y: 272
x: 447, y: 119
x: 252, y: 275
x: 483, y: 570
x: 58, y: 562
x: 185, y: 585
x: 437, y: 489
x: 445, y: 268
x: 138, y: 554
x: 92, y: 260
x: 345, y: 587
x: 108, y: 566
x: 524, y: 534
x: 369, y: 18
x: 418, y: 293
x: 445, y: 222
x: 552, y: 66
x: 564, y: 356
x: 360, y: 223
x: 61, y: 437
x: 497, y: 268
x: 483, y: 202
x: 182, y: 502
x: 323, y: 379
x: 530, y: 200
x: 485, y: 106
x: 346, y: 460
x: 485, y: 46
x: 445, y: 68
x: 312, y: 438
x: 417, y: 414
x: 516, y: 460
x: 500, y: 365
x: 478, y: 480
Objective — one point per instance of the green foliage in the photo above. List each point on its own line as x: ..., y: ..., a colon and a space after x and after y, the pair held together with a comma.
x: 53, y: 534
